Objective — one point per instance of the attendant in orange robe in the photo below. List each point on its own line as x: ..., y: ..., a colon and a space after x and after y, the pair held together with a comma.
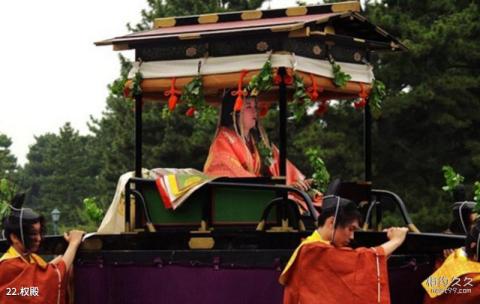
x: 235, y: 149
x: 457, y: 280
x: 24, y: 276
x: 323, y: 269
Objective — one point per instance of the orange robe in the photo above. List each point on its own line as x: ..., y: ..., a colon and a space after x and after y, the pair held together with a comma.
x: 31, y: 282
x: 229, y: 156
x: 456, y: 281
x: 321, y: 273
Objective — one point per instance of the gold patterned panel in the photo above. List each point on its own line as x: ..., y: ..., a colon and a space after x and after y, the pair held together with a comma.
x: 346, y: 6
x: 303, y: 32
x: 188, y: 36
x: 164, y: 22
x: 296, y: 11
x: 251, y: 15
x: 208, y: 18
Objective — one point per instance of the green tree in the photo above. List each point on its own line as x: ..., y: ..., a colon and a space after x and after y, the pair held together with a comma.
x: 433, y: 111
x: 61, y: 171
x: 8, y: 162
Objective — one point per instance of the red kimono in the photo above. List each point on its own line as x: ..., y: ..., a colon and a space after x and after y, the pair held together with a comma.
x: 321, y: 273
x: 229, y: 156
x: 31, y: 282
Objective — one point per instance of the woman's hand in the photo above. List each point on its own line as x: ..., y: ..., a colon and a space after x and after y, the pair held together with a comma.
x: 303, y: 185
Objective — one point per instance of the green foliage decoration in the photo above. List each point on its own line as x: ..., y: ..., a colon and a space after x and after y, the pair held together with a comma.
x: 476, y: 197
x: 376, y: 97
x: 92, y: 210
x: 192, y: 93
x: 340, y: 78
x: 301, y: 101
x: 320, y: 175
x: 266, y: 154
x: 263, y: 81
x: 452, y: 179
x: 137, y: 84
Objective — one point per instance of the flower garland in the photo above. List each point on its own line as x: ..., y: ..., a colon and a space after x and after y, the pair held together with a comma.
x: 377, y: 94
x: 301, y: 99
x: 266, y: 154
x: 320, y: 176
x: 135, y: 87
x: 476, y: 197
x: 264, y: 80
x: 192, y: 94
x: 340, y: 78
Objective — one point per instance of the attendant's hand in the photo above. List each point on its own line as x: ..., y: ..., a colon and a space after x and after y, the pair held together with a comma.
x: 447, y: 252
x: 74, y: 237
x: 397, y: 234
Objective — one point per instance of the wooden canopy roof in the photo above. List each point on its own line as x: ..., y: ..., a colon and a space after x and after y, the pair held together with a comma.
x: 307, y: 37
x: 337, y: 20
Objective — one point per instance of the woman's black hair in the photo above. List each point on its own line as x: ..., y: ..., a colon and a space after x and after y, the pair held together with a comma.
x: 228, y: 102
x: 473, y: 238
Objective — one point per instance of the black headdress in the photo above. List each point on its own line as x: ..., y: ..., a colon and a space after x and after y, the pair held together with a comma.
x: 19, y: 220
x: 334, y: 203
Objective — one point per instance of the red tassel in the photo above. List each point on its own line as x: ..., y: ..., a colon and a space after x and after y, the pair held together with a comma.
x: 239, y: 92
x: 238, y: 103
x: 313, y: 91
x: 363, y: 95
x: 190, y: 112
x: 172, y: 101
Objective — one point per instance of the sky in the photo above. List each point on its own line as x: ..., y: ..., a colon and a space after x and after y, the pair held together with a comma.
x: 51, y: 72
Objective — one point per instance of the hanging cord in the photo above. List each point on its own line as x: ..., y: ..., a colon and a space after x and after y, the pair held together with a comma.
x: 21, y: 227
x: 337, y: 207
x: 461, y: 217
x: 478, y: 247
x: 378, y: 274
x: 20, y: 223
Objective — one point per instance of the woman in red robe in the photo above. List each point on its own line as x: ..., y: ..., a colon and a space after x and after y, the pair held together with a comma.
x: 24, y: 276
x: 241, y: 147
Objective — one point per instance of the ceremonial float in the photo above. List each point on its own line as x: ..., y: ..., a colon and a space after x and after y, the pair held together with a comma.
x: 229, y: 239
